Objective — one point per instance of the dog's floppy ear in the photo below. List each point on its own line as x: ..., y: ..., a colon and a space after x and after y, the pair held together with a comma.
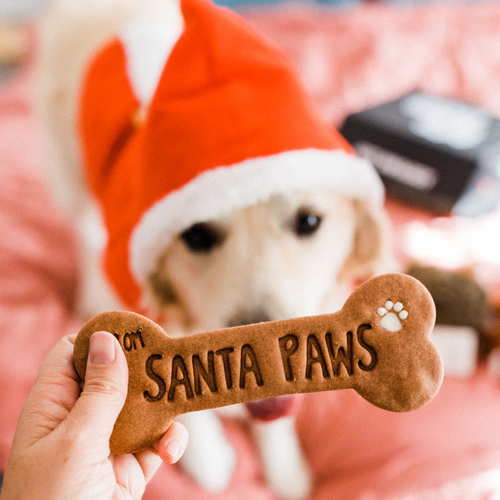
x: 372, y: 249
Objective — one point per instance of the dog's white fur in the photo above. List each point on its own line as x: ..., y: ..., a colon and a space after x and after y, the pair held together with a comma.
x: 261, y: 271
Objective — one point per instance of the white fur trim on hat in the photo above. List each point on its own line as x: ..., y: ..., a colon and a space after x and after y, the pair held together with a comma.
x: 216, y: 192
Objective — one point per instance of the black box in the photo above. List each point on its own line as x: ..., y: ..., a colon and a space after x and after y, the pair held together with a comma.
x: 431, y: 152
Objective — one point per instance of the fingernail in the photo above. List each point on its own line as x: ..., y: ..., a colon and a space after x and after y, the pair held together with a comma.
x: 174, y: 449
x: 101, y: 349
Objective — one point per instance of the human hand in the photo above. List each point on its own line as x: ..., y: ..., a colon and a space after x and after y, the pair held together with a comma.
x: 61, y: 445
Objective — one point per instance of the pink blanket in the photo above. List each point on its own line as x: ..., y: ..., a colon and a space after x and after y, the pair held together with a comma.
x: 450, y: 448
x: 359, y: 57
x: 37, y: 262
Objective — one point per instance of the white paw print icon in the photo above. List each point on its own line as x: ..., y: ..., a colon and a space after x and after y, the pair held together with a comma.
x: 391, y: 315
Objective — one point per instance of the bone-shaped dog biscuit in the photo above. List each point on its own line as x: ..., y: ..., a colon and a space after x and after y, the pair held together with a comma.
x: 378, y: 344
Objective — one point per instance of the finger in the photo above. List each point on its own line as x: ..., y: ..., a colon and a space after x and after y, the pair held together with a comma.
x: 53, y: 396
x: 149, y: 463
x: 104, y: 392
x: 129, y: 476
x: 168, y: 449
x: 173, y: 443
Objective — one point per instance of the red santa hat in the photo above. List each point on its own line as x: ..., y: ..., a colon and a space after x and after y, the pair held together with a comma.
x: 183, y: 124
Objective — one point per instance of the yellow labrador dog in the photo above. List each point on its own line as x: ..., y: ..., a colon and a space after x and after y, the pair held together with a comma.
x: 235, y: 258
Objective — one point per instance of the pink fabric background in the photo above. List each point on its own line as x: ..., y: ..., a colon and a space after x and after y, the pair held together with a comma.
x: 371, y: 53
x: 348, y: 61
x: 37, y: 262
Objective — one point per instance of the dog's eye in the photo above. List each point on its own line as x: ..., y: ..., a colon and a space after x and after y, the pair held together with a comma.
x: 306, y: 222
x: 202, y: 237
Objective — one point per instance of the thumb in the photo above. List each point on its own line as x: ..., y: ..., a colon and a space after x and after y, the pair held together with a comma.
x: 104, y: 392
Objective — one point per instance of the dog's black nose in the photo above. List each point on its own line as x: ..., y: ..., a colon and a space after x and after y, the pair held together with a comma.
x: 248, y: 317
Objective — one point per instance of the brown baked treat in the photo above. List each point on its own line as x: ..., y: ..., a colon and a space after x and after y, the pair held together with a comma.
x: 378, y: 344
